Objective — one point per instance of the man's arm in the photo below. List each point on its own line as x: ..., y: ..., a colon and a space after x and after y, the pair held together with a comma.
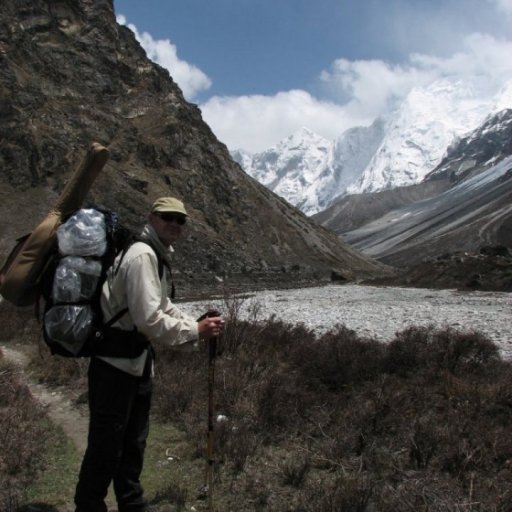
x: 148, y: 308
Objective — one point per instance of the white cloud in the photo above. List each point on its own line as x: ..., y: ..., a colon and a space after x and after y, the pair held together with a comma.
x: 372, y: 87
x: 257, y: 122
x: 189, y: 77
x: 360, y: 90
x: 482, y: 56
x: 504, y: 6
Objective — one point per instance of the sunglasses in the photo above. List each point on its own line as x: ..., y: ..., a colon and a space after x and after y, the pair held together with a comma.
x: 173, y: 217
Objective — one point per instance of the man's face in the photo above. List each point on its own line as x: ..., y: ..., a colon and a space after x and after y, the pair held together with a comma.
x: 168, y: 226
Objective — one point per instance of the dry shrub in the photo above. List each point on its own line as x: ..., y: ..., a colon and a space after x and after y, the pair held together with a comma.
x: 235, y: 443
x: 496, y: 395
x: 22, y: 433
x: 265, y: 340
x: 174, y: 493
x: 18, y: 324
x: 277, y: 402
x: 427, y: 348
x: 424, y: 442
x: 421, y: 423
x: 338, y: 359
x: 58, y: 370
x: 347, y: 494
x: 179, y: 381
x: 294, y: 469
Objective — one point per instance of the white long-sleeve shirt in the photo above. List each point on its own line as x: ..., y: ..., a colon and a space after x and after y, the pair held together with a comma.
x: 135, y: 284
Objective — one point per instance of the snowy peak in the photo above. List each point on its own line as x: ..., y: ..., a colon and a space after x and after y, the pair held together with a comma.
x: 419, y: 132
x: 353, y: 151
x: 312, y: 172
x: 292, y: 166
x: 242, y: 157
x: 301, y: 140
x: 503, y: 100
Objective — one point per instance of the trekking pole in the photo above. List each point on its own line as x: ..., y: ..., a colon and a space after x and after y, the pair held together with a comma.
x: 212, y: 352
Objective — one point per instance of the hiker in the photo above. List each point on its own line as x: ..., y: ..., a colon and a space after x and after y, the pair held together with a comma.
x: 120, y: 388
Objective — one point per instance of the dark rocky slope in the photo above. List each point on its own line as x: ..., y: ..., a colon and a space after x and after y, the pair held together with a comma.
x: 470, y: 209
x: 474, y: 212
x: 70, y: 75
x: 488, y: 269
x: 354, y: 211
x: 448, y: 239
x: 470, y: 215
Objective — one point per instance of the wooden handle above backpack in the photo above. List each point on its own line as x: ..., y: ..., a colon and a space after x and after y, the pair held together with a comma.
x: 80, y: 182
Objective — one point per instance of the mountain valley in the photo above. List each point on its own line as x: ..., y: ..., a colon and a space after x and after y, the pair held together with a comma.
x: 460, y: 205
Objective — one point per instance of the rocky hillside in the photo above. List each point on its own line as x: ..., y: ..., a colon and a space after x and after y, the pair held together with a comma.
x: 70, y: 75
x: 473, y: 154
x: 354, y: 211
x: 473, y: 212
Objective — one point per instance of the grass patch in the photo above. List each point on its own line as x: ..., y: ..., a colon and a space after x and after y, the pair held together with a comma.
x: 169, y: 472
x: 55, y: 485
x: 172, y: 475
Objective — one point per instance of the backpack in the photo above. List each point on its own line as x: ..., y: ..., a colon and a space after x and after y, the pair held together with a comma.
x: 20, y: 276
x: 87, y: 246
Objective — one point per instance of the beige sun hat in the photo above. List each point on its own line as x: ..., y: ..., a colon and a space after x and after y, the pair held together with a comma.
x: 168, y: 205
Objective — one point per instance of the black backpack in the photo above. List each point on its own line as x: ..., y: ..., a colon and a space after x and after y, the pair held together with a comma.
x: 73, y: 323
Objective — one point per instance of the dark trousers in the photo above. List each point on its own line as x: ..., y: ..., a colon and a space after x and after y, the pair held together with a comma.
x: 119, y: 406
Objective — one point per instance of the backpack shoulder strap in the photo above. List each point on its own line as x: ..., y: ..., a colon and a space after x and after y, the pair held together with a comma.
x: 161, y: 263
x: 116, y: 317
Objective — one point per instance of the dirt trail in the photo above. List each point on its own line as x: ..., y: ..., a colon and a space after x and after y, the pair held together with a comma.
x: 59, y: 409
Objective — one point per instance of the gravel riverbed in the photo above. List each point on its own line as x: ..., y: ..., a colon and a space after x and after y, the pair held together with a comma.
x: 380, y: 312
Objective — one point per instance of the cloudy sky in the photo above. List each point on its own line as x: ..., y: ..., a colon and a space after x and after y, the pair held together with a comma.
x: 261, y: 69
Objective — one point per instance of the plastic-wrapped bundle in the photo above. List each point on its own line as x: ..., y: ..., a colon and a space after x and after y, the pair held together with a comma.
x: 83, y: 234
x: 75, y: 279
x: 70, y: 326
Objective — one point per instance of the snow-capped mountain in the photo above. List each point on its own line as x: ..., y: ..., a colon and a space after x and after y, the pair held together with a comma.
x: 292, y: 167
x: 419, y: 133
x: 308, y: 170
x: 352, y: 153
x: 481, y: 149
x: 311, y: 172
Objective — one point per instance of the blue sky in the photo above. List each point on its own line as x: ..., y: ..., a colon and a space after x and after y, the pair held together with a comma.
x: 261, y: 69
